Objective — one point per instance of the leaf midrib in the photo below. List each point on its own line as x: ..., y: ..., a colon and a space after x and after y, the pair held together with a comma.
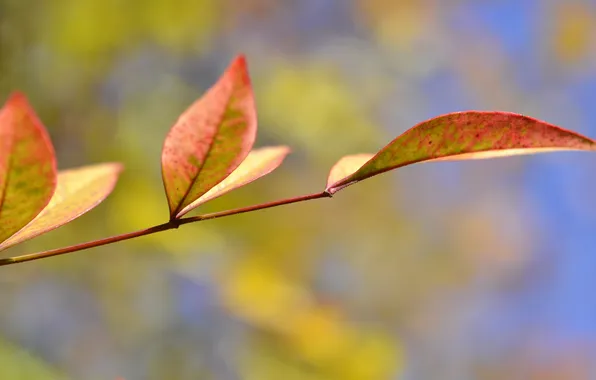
x: 221, y: 117
x: 9, y: 164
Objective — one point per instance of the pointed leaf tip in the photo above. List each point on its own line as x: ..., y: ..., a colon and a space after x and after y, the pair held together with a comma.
x: 257, y: 164
x: 16, y: 98
x: 210, y: 139
x: 468, y: 135
x: 79, y: 191
x: 27, y: 165
x: 240, y: 66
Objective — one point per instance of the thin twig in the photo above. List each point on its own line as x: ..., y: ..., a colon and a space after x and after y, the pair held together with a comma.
x: 155, y: 229
x: 261, y: 206
x: 86, y: 245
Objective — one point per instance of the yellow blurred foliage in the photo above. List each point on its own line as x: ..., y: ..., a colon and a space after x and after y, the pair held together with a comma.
x: 257, y: 291
x: 17, y: 364
x: 311, y: 105
x: 396, y: 24
x: 572, y: 31
x: 183, y: 27
x: 94, y: 30
x: 91, y: 29
x: 317, y: 334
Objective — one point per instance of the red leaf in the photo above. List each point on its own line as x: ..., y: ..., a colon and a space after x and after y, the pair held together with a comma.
x: 27, y: 166
x: 79, y: 190
x: 210, y: 139
x: 468, y: 135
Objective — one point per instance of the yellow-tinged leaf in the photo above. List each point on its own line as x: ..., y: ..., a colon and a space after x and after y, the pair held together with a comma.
x: 79, y: 190
x: 257, y: 164
x: 347, y: 166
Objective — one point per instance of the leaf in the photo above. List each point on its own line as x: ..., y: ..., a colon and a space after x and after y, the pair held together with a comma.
x: 210, y: 139
x: 346, y: 166
x: 257, y: 164
x: 465, y: 136
x: 79, y: 190
x: 27, y: 165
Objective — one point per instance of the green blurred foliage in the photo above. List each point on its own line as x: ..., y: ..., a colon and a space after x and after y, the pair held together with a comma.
x: 18, y: 364
x: 312, y: 121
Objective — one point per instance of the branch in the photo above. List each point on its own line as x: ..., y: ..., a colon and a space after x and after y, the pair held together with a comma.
x: 261, y: 206
x: 155, y: 229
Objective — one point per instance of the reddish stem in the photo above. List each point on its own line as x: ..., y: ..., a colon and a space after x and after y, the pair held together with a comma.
x: 87, y: 245
x: 152, y: 230
x: 261, y: 206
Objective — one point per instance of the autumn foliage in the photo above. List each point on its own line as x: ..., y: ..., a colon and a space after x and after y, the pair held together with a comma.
x: 209, y: 152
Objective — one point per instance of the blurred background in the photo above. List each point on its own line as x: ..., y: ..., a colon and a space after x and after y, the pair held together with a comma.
x: 450, y: 271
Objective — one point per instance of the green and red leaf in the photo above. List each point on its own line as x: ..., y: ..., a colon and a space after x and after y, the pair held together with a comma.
x: 465, y: 136
x: 27, y: 166
x: 210, y: 139
x: 79, y: 190
x: 257, y: 164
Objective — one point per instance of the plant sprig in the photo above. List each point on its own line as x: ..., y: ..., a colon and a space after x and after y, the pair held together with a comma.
x: 209, y: 152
